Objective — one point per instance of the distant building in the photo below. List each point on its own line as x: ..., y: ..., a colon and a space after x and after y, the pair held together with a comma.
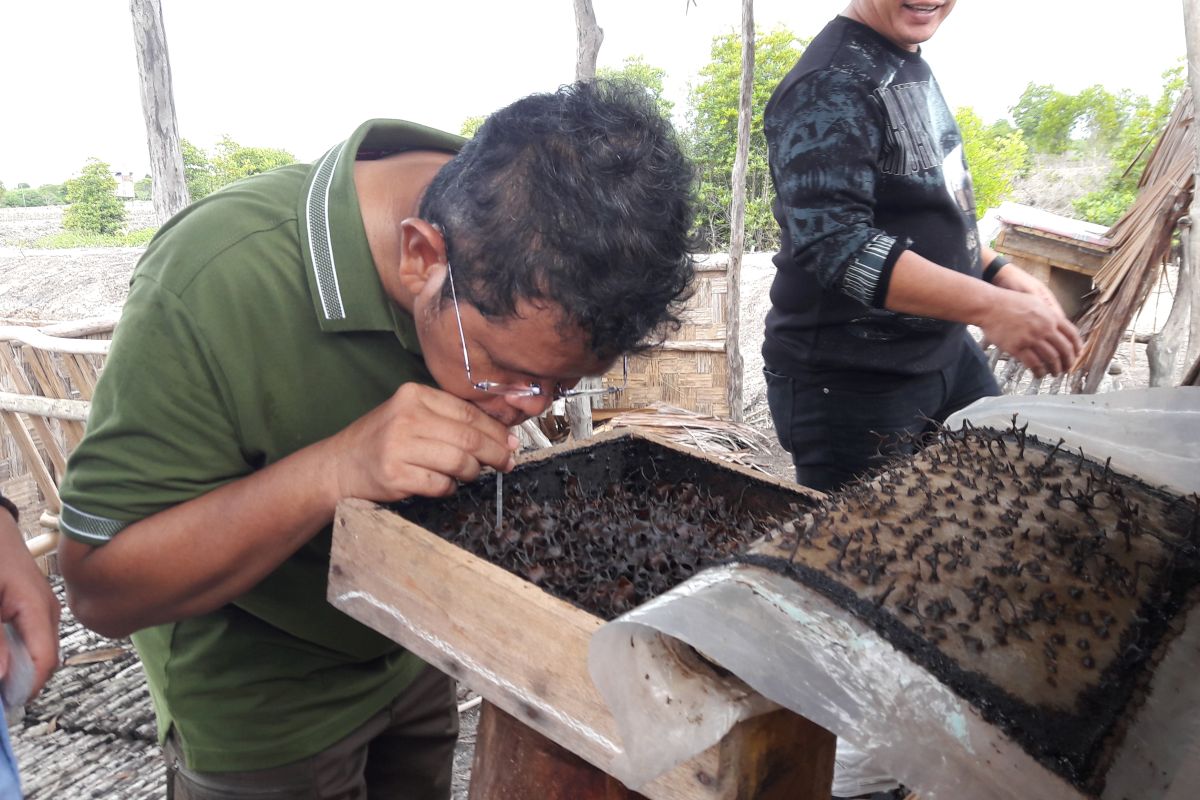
x: 125, y: 188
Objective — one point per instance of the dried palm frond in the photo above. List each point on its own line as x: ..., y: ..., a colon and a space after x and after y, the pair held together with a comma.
x: 1141, y: 242
x: 724, y: 440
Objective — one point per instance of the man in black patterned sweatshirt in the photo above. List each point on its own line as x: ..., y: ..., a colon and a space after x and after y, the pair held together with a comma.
x: 880, y: 267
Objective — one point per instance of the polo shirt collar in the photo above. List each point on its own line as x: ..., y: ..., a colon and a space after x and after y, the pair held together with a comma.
x: 343, y: 279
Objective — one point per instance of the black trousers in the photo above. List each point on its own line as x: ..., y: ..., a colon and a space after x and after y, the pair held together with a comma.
x: 840, y: 425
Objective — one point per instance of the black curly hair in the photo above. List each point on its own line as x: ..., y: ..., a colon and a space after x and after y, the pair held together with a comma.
x: 581, y: 197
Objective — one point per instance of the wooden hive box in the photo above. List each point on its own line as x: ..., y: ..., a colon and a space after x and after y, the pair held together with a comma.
x: 522, y: 649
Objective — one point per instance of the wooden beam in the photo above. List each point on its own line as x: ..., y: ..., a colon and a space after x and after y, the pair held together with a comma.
x: 74, y: 410
x: 520, y: 648
x: 514, y: 761
x: 55, y: 344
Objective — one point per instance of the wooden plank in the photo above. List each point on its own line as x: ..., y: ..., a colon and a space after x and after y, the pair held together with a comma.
x: 9, y: 366
x: 1074, y: 256
x: 33, y: 459
x: 82, y: 373
x: 461, y: 615
x: 51, y: 384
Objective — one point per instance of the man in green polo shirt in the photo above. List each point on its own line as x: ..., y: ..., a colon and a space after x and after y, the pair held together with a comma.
x: 367, y: 326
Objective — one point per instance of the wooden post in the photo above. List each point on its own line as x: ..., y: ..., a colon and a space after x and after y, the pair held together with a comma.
x: 737, y: 217
x: 515, y: 762
x: 1191, y: 31
x: 1163, y: 348
x: 776, y: 756
x: 588, y: 37
x: 158, y: 107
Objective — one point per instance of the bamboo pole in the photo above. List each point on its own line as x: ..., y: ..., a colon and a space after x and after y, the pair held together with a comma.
x: 76, y: 410
x: 35, y: 337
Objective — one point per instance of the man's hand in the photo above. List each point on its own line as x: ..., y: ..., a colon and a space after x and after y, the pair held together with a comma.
x: 421, y: 441
x: 27, y: 603
x: 1033, y: 330
x: 1013, y: 277
x: 1045, y: 344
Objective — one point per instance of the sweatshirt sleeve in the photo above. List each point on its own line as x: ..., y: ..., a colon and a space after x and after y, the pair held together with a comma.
x: 824, y: 136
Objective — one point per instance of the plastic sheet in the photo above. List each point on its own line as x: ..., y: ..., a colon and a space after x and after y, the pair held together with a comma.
x: 1151, y: 433
x: 779, y: 639
x: 801, y: 652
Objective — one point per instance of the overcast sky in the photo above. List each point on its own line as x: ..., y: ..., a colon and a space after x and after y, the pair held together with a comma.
x: 301, y: 76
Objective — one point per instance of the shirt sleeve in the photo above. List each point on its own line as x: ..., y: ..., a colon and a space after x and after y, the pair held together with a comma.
x: 825, y: 135
x: 10, y: 507
x: 159, y: 431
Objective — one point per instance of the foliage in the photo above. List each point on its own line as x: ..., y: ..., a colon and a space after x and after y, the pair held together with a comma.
x: 197, y: 171
x: 470, y: 126
x: 144, y: 189
x: 1133, y: 143
x: 1104, y: 207
x: 995, y: 154
x: 3, y: 191
x: 1054, y: 122
x: 230, y: 162
x: 94, y: 205
x: 635, y: 70
x: 50, y: 194
x: 67, y: 239
x: 712, y: 137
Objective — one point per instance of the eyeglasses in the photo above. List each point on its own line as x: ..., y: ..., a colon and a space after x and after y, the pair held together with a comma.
x: 531, y: 389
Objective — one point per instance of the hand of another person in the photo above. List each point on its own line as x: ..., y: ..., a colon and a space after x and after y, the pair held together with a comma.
x: 1030, y: 325
x: 421, y: 441
x: 27, y: 603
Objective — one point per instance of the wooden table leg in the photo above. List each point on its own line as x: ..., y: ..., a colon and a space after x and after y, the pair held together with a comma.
x: 515, y: 762
x: 776, y: 756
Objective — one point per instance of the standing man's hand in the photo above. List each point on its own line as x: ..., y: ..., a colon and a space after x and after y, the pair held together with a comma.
x: 27, y: 604
x: 1013, y: 277
x: 421, y: 441
x: 1030, y: 325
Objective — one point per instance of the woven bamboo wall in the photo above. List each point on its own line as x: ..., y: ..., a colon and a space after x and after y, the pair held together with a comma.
x: 50, y: 374
x: 691, y: 369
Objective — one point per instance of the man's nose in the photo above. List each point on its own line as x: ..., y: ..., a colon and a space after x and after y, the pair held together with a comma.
x: 533, y: 405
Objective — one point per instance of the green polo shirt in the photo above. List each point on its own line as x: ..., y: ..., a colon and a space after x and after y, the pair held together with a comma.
x: 255, y: 325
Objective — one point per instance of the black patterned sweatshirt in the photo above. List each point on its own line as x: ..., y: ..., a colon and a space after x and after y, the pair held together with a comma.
x: 867, y: 161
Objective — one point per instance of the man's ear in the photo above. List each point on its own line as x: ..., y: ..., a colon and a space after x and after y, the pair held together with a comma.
x: 422, y: 255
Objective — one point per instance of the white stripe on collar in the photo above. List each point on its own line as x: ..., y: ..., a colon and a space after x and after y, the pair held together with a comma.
x: 320, y: 244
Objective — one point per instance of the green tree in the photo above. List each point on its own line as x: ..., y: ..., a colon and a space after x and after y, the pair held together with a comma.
x: 197, y: 170
x: 94, y: 205
x: 471, y: 126
x: 1046, y: 117
x: 1142, y: 125
x: 995, y: 154
x: 144, y: 189
x: 712, y: 134
x: 232, y: 162
x: 635, y: 70
x: 229, y: 162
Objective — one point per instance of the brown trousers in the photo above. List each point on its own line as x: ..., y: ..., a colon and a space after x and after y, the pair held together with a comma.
x: 405, y: 752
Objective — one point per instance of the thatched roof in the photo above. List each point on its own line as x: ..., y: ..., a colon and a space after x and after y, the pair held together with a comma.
x: 1141, y: 244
